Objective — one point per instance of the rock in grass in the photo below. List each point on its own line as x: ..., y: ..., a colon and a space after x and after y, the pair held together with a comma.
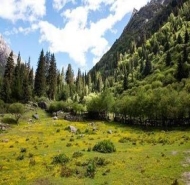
x: 73, y: 129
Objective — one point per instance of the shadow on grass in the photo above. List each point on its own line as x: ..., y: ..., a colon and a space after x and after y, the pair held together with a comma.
x: 9, y: 120
x: 140, y: 128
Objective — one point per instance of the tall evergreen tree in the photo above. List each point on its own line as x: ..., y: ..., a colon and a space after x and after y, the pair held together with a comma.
x: 79, y: 82
x: 52, y: 78
x: 147, y: 68
x: 100, y: 84
x: 182, y: 71
x: 40, y: 79
x: 186, y: 39
x: 17, y: 81
x: 168, y: 58
x: 125, y: 80
x: 6, y: 91
x: 69, y: 78
x: 185, y: 54
x: 179, y: 39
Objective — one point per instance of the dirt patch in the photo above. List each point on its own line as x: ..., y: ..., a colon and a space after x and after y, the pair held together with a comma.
x: 174, y: 152
x: 43, y: 181
x: 186, y: 177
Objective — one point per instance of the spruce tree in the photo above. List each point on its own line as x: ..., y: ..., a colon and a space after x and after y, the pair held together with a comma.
x: 17, y: 83
x: 168, y: 58
x: 7, y: 85
x: 40, y: 79
x: 69, y: 78
x: 100, y: 84
x: 125, y: 80
x: 69, y: 75
x: 185, y: 55
x: 186, y: 39
x: 147, y: 68
x: 52, y: 78
x: 79, y: 83
x: 182, y: 70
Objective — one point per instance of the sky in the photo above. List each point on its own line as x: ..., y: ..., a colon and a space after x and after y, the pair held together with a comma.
x: 78, y: 32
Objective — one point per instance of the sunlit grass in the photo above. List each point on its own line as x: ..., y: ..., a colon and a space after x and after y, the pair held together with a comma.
x: 141, y: 157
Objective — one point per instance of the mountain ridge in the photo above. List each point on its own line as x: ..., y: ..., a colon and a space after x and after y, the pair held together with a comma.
x: 142, y: 24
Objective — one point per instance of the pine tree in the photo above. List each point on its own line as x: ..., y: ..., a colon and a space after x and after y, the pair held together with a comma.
x: 185, y: 55
x: 100, y: 84
x: 52, y: 78
x: 125, y: 80
x: 186, y: 39
x: 69, y: 78
x: 69, y: 75
x: 182, y: 70
x: 17, y: 83
x: 166, y: 46
x: 31, y: 78
x: 7, y: 85
x: 89, y: 83
x: 179, y: 39
x: 27, y: 89
x: 147, y: 68
x: 168, y: 58
x: 79, y: 83
x: 40, y: 80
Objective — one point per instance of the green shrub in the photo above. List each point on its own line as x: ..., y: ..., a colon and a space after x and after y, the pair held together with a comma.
x: 77, y: 154
x: 32, y: 162
x: 100, y: 161
x: 123, y: 140
x: 105, y: 146
x: 23, y: 150
x: 20, y: 157
x: 91, y: 168
x: 60, y: 159
x: 9, y: 120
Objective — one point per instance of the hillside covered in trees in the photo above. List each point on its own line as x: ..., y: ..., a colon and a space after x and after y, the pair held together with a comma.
x: 143, y: 79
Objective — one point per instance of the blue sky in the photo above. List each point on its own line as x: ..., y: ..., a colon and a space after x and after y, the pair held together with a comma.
x: 78, y: 32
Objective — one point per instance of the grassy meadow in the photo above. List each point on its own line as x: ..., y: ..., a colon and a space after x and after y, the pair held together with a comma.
x: 28, y: 152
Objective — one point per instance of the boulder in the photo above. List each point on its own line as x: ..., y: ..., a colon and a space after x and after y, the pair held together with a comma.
x: 55, y: 118
x: 42, y: 105
x: 35, y: 116
x: 73, y: 129
x: 109, y: 131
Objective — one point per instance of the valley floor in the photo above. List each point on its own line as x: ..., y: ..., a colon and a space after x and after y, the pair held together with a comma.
x: 141, y: 157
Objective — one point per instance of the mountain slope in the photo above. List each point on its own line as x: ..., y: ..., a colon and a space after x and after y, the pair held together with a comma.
x: 141, y: 26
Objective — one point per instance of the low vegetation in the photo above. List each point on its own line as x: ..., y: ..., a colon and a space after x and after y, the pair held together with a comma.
x: 35, y: 153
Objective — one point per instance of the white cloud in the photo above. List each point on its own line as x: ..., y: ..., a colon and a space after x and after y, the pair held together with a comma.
x: 26, y: 10
x: 22, y: 30
x: 59, y: 4
x: 76, y: 38
x: 80, y: 34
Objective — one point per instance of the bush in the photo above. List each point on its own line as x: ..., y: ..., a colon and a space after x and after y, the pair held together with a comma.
x: 60, y: 159
x: 123, y: 140
x: 17, y: 109
x: 100, y: 161
x: 20, y: 157
x: 9, y: 120
x: 77, y: 154
x: 23, y: 150
x: 105, y: 146
x: 90, y: 170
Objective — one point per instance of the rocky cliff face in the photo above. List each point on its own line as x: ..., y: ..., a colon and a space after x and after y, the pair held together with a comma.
x: 4, y: 53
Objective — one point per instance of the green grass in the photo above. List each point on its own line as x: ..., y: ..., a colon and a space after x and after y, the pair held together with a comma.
x: 141, y: 157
